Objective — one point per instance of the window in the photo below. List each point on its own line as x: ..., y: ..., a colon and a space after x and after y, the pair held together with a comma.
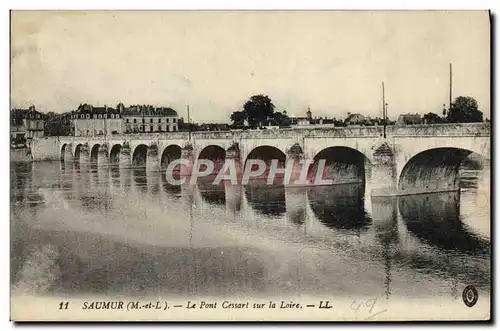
x: 174, y: 128
x: 159, y: 120
x: 105, y: 115
x: 88, y: 132
x: 143, y: 120
x: 135, y: 120
x: 151, y: 128
x: 159, y: 128
x: 167, y: 120
x: 82, y: 116
x: 100, y: 116
x: 151, y: 121
x: 95, y: 116
x: 168, y: 128
x: 117, y: 116
x: 173, y: 120
x: 88, y: 116
x: 126, y: 121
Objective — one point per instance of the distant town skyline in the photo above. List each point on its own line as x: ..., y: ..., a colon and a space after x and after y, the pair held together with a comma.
x: 332, y: 62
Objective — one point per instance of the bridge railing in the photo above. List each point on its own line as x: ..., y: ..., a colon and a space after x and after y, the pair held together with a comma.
x: 445, y: 129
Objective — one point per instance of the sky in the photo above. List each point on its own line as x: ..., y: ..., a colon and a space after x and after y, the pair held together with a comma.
x: 331, y: 61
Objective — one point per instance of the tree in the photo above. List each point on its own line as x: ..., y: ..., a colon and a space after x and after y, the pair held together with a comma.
x: 281, y: 119
x: 238, y: 118
x: 432, y: 118
x: 464, y: 110
x: 258, y: 109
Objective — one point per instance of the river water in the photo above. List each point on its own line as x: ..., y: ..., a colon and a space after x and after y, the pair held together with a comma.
x: 82, y: 229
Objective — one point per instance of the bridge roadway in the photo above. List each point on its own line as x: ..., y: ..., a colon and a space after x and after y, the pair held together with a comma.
x: 409, y: 160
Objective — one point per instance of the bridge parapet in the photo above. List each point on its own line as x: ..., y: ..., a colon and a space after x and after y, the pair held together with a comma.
x: 445, y: 129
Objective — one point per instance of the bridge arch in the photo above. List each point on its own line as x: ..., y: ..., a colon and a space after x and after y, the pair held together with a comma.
x: 114, y: 154
x: 214, y: 153
x: 140, y: 155
x: 267, y: 154
x: 65, y: 154
x: 94, y: 153
x: 433, y: 170
x: 77, y: 153
x: 170, y: 153
x: 343, y: 165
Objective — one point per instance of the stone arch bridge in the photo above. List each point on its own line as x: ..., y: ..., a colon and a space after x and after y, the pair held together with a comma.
x: 409, y: 160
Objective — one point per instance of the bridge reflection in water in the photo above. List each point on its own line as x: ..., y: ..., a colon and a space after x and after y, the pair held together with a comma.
x: 435, y: 219
x: 396, y: 246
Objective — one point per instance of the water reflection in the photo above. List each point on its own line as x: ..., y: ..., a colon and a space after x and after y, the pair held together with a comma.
x: 435, y: 219
x: 174, y: 190
x: 213, y: 194
x: 141, y: 182
x: 267, y: 200
x: 340, y: 207
x: 159, y: 237
x: 115, y: 175
x: 234, y: 196
x: 20, y: 176
x: 384, y: 216
x: 296, y: 204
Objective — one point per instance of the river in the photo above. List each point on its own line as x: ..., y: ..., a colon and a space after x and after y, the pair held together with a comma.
x: 82, y: 229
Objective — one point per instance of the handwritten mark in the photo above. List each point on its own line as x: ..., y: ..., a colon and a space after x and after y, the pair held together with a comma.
x: 360, y: 306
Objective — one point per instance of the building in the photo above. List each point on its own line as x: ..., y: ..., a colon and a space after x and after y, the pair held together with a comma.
x: 355, y: 119
x: 409, y: 119
x: 149, y: 119
x: 92, y: 121
x: 26, y: 124
x: 302, y: 121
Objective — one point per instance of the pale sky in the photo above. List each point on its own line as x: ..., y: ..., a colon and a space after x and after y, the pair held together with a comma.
x: 333, y: 62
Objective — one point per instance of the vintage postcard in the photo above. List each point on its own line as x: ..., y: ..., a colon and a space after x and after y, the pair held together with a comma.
x: 250, y: 166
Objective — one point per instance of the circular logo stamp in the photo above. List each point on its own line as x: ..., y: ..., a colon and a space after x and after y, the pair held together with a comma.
x: 470, y: 296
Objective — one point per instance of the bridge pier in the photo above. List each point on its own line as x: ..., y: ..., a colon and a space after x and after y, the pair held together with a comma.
x: 84, y: 157
x: 153, y: 158
x: 125, y: 158
x: 233, y: 153
x: 187, y: 153
x: 102, y: 155
x: 382, y: 178
x: 296, y: 155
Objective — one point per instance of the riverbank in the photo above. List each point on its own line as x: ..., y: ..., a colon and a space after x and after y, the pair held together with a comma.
x: 20, y: 155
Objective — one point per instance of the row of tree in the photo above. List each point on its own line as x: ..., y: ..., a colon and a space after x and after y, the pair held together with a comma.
x: 259, y: 111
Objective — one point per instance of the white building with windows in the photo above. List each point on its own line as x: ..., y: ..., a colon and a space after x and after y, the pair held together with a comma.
x: 92, y: 121
x: 149, y: 119
x: 96, y: 121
